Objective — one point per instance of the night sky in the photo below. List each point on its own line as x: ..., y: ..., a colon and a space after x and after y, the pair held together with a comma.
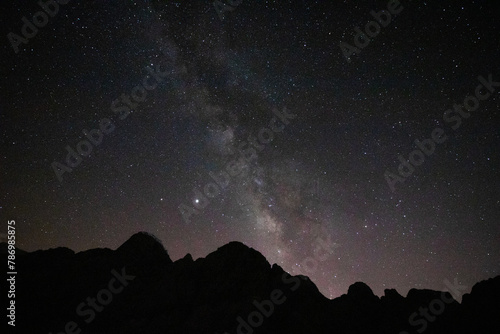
x: 254, y: 125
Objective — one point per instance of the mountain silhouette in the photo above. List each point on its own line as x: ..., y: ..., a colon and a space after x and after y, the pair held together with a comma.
x: 137, y: 288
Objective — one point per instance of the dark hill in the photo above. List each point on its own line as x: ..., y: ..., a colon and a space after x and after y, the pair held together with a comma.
x: 138, y: 289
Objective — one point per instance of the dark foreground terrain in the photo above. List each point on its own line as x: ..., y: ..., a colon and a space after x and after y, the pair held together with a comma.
x: 138, y: 289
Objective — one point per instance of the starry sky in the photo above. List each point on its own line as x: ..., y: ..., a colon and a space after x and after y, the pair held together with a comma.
x: 264, y: 90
